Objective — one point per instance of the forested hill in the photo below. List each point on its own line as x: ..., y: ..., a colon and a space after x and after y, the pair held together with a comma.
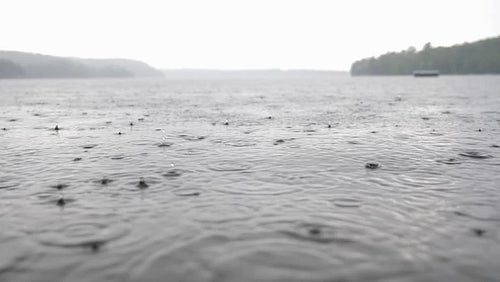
x: 28, y: 65
x: 480, y: 57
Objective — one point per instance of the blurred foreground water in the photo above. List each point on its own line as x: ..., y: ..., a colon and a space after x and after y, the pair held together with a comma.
x: 250, y: 179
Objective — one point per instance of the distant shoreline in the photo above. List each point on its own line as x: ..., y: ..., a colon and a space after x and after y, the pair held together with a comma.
x: 480, y: 57
x: 251, y: 73
x: 22, y: 65
x: 239, y: 75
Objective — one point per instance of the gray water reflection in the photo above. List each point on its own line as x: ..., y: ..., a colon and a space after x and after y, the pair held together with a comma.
x: 250, y: 180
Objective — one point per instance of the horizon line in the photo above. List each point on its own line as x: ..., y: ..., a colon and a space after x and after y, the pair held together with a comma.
x: 251, y: 69
x: 152, y: 64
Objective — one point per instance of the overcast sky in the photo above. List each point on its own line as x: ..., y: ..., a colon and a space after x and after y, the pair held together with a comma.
x: 232, y: 34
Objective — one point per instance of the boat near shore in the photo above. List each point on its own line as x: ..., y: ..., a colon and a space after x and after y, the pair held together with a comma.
x: 425, y: 73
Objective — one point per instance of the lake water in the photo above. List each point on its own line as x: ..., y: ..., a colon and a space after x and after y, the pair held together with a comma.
x: 250, y: 179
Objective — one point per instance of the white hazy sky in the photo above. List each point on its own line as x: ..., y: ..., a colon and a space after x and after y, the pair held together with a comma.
x: 232, y: 34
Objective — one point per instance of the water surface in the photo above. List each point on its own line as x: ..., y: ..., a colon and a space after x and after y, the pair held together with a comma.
x: 250, y: 179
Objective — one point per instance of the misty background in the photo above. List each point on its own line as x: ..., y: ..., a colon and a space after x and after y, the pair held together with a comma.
x: 226, y: 34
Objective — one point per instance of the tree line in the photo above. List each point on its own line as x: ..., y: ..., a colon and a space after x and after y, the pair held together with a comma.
x: 480, y: 57
x: 28, y: 65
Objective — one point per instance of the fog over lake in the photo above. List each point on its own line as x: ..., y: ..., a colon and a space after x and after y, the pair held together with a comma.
x: 320, y: 177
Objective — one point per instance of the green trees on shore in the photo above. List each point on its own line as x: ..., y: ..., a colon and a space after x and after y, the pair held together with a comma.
x: 28, y: 65
x: 480, y: 57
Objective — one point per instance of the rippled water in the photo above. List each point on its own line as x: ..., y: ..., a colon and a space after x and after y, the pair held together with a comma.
x: 327, y: 179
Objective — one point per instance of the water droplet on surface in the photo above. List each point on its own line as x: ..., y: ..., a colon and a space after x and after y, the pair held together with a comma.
x: 188, y: 192
x: 95, y: 246
x: 318, y: 233
x: 475, y: 155
x: 164, y: 145
x: 164, y: 139
x: 60, y: 186
x: 450, y: 161
x: 117, y: 157
x: 279, y: 141
x: 191, y: 137
x: 314, y: 231
x: 372, y: 165
x: 142, y: 183
x: 61, y: 202
x: 89, y: 146
x: 478, y: 231
x: 173, y: 173
x: 106, y: 181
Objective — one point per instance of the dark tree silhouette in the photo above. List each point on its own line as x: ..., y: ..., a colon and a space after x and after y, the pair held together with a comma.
x: 481, y: 57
